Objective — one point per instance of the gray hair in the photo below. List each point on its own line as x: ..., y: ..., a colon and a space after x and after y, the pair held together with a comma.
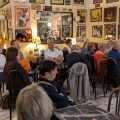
x: 50, y: 39
x: 75, y: 47
x: 33, y: 104
x: 101, y: 45
x: 115, y: 43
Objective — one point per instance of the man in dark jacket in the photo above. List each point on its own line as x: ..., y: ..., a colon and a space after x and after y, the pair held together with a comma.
x: 77, y: 56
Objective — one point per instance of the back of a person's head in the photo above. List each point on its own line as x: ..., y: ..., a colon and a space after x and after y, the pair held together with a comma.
x: 89, y: 45
x: 12, y: 42
x: 11, y: 54
x: 101, y: 45
x: 68, y: 41
x: 115, y: 43
x: 47, y: 66
x: 75, y: 47
x: 33, y: 104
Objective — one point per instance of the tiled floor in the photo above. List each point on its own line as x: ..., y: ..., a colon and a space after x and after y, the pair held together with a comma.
x: 101, y: 102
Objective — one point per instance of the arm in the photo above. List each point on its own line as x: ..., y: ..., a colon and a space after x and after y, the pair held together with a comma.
x: 59, y: 58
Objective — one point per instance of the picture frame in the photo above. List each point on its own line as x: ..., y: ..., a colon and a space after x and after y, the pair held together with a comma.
x: 110, y: 1
x: 67, y: 2
x: 118, y: 31
x: 4, y: 2
x: 96, y: 15
x: 78, y: 2
x: 81, y: 33
x: 110, y: 31
x: 37, y: 1
x: 35, y: 7
x: 66, y: 31
x: 97, y: 1
x: 65, y: 21
x: 10, y: 34
x: 82, y: 13
x: 25, y: 34
x: 110, y: 14
x: 119, y: 15
x: 97, y: 31
x: 22, y: 16
x: 56, y: 2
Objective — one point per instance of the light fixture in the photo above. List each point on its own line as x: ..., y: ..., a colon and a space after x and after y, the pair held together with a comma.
x: 2, y: 17
x: 77, y: 18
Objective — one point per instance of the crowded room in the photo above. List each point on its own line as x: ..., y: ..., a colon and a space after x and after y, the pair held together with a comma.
x: 59, y: 59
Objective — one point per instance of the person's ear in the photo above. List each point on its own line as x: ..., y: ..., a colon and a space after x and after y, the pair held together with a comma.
x: 46, y: 74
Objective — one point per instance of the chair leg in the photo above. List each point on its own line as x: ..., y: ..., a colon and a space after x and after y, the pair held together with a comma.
x: 95, y: 88
x: 10, y: 105
x: 3, y: 86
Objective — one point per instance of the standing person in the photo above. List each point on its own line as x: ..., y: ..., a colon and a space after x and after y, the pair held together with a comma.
x: 68, y: 45
x: 13, y: 64
x: 15, y: 44
x: 84, y: 47
x: 52, y: 53
x: 2, y: 63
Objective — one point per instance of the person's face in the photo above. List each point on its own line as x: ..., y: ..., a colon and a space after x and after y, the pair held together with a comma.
x: 16, y: 44
x: 110, y: 44
x: 118, y: 46
x: 51, y: 44
x: 93, y: 47
x: 79, y: 50
x: 1, y: 49
x: 103, y: 49
x: 51, y: 75
x: 70, y: 43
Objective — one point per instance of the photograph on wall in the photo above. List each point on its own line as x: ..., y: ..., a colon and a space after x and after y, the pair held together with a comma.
x: 25, y: 35
x: 57, y: 2
x: 82, y: 13
x: 96, y: 15
x: 110, y: 1
x: 110, y: 14
x: 97, y: 31
x: 22, y: 16
x: 4, y: 2
x: 81, y: 33
x: 65, y: 20
x: 67, y: 2
x: 97, y: 1
x: 119, y: 32
x: 65, y: 31
x: 110, y: 31
x: 78, y: 2
x: 37, y: 1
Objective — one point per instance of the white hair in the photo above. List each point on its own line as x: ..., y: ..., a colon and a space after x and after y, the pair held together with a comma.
x: 50, y: 39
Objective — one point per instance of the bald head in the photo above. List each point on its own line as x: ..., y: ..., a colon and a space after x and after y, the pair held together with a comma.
x: 76, y: 48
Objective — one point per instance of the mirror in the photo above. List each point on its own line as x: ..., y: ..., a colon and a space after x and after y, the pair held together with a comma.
x: 58, y: 25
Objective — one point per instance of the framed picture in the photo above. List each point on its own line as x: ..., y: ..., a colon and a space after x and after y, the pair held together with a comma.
x: 4, y: 2
x: 25, y: 34
x: 119, y: 15
x: 22, y: 16
x: 119, y: 32
x: 81, y: 33
x: 37, y: 1
x: 65, y: 20
x: 110, y: 1
x: 10, y: 34
x: 67, y: 2
x: 97, y: 31
x: 110, y: 14
x: 82, y: 13
x: 65, y: 31
x: 96, y: 15
x: 97, y: 1
x: 35, y: 7
x: 110, y: 31
x: 57, y: 2
x: 78, y: 2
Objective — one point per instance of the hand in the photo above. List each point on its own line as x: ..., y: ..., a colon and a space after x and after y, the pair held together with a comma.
x: 61, y: 94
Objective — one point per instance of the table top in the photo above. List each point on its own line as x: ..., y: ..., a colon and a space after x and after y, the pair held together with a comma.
x: 84, y: 111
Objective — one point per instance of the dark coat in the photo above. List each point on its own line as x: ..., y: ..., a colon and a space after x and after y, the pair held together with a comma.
x: 76, y: 57
x: 14, y: 65
x: 58, y: 100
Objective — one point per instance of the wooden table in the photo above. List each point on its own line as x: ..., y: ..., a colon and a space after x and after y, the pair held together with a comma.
x: 84, y: 111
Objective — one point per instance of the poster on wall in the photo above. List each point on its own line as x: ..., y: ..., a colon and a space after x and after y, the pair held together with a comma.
x: 110, y: 31
x: 78, y: 2
x: 67, y: 2
x: 37, y: 1
x: 65, y: 31
x: 81, y: 33
x: 22, y: 16
x: 97, y: 1
x: 110, y: 1
x: 97, y: 31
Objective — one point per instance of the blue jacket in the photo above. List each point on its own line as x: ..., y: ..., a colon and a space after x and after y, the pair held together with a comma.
x: 90, y: 52
x: 115, y: 54
x: 53, y: 92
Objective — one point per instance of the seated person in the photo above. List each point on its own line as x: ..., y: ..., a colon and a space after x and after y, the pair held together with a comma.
x: 2, y: 63
x: 13, y: 64
x: 109, y: 47
x: 100, y: 55
x: 77, y: 56
x: 51, y: 53
x: 48, y: 71
x: 56, y: 46
x: 33, y: 104
x: 68, y: 45
x: 90, y: 48
x: 115, y: 53
x: 15, y: 43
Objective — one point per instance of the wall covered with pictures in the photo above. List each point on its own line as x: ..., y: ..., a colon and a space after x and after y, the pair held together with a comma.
x: 108, y: 27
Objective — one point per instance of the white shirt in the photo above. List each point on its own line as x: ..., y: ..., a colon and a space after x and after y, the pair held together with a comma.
x: 52, y: 54
x: 2, y: 62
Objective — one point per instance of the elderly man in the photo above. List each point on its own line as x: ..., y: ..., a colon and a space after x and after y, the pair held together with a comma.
x: 15, y: 43
x: 109, y: 46
x: 52, y: 53
x: 76, y: 56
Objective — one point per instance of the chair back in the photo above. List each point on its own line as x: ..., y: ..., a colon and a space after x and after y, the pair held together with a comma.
x: 117, y: 99
x: 93, y: 65
x: 88, y: 57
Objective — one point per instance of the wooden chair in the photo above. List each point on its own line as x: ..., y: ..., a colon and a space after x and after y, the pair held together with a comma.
x: 13, y: 77
x: 117, y: 104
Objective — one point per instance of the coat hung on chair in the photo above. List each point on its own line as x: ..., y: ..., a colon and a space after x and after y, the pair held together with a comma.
x: 79, y: 82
